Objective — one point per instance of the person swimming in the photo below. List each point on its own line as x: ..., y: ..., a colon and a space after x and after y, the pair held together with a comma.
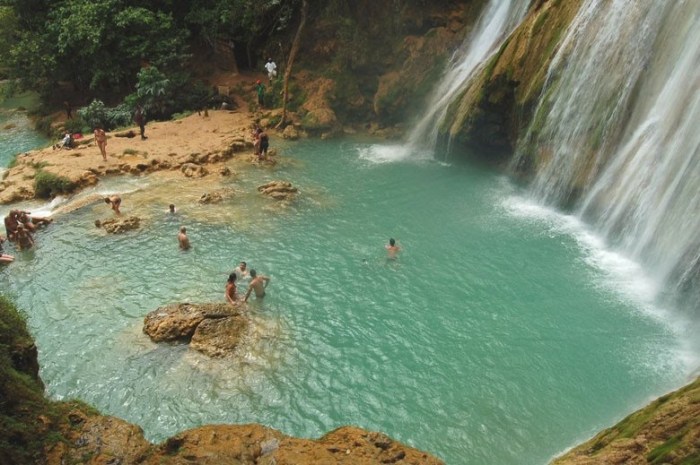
x: 392, y: 249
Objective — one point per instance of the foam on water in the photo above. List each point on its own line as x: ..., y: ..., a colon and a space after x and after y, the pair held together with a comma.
x: 618, y: 275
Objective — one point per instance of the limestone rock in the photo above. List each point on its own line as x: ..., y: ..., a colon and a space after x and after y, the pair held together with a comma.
x: 119, y: 225
x: 216, y: 196
x: 290, y: 132
x: 179, y: 321
x: 192, y: 170
x: 219, y: 337
x: 279, y: 190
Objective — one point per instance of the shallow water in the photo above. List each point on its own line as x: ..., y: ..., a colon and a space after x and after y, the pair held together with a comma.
x: 503, y: 333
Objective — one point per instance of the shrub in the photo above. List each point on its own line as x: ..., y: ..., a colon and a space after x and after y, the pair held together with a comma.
x: 94, y: 114
x: 43, y: 126
x: 76, y: 125
x: 47, y: 185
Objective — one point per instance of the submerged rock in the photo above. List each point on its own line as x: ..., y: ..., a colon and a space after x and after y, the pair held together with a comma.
x: 216, y: 196
x: 279, y: 190
x: 119, y: 225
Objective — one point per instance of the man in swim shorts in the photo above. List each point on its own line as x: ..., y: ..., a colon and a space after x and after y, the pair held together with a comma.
x: 257, y: 284
x: 183, y: 239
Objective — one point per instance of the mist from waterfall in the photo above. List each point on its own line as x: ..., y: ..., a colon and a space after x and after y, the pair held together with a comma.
x: 617, y: 131
x: 496, y: 22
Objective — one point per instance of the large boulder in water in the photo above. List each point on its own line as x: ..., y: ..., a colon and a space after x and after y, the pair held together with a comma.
x: 219, y: 337
x: 214, y: 329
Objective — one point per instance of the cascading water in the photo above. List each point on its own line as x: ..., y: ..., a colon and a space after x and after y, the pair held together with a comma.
x: 496, y: 22
x: 499, y: 19
x: 616, y: 132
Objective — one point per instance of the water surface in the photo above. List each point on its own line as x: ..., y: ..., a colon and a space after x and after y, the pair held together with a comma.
x: 502, y: 334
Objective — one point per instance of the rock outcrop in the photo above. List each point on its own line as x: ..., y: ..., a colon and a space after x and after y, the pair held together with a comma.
x: 279, y: 190
x: 119, y: 225
x: 214, y: 329
x: 491, y: 113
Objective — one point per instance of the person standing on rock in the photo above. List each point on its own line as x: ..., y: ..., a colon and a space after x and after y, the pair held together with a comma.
x: 271, y: 68
x: 230, y: 293
x: 114, y: 201
x: 182, y: 239
x: 258, y: 283
x: 101, y: 141
x: 140, y: 120
x: 260, y: 90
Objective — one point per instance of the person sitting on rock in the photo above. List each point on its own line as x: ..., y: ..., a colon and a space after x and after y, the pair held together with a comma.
x: 11, y: 223
x: 4, y: 258
x: 31, y: 222
x: 66, y: 142
x: 24, y: 238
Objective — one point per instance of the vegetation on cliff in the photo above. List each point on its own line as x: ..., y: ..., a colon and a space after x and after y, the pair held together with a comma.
x: 667, y: 431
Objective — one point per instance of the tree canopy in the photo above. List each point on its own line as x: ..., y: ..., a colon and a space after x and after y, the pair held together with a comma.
x: 100, y: 46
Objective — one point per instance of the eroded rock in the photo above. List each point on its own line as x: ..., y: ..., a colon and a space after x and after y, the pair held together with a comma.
x: 119, y: 225
x: 214, y: 329
x: 279, y: 190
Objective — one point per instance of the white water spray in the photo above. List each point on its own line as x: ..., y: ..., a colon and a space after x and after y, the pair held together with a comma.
x: 619, y: 130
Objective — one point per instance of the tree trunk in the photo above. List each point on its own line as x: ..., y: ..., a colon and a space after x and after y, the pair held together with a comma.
x: 290, y: 62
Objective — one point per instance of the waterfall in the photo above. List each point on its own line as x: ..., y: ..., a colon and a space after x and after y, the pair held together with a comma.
x: 498, y: 19
x: 616, y: 134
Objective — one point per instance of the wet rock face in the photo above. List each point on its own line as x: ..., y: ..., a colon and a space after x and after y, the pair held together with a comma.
x: 119, y: 225
x: 215, y: 329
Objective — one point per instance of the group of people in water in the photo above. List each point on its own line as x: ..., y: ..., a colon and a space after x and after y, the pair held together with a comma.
x: 257, y: 283
x: 20, y: 227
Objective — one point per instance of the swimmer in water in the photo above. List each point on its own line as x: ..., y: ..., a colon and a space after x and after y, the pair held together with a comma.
x: 392, y: 249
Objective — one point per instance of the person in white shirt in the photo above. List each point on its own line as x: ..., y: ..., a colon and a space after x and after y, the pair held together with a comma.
x: 271, y: 68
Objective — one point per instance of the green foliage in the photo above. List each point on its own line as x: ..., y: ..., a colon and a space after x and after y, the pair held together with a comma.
x: 74, y: 125
x: 97, y: 114
x: 48, y: 185
x: 43, y: 126
x: 21, y: 395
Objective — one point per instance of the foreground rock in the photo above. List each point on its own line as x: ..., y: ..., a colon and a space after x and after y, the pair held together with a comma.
x: 119, y: 225
x: 665, y: 432
x: 214, y: 329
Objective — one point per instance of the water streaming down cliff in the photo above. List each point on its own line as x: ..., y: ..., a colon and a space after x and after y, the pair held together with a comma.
x: 496, y: 22
x: 615, y: 134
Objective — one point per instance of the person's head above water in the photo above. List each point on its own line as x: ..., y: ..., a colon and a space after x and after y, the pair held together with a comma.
x: 253, y: 273
x: 392, y: 242
x: 242, y: 265
x: 232, y: 277
x: 172, y: 208
x: 183, y: 229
